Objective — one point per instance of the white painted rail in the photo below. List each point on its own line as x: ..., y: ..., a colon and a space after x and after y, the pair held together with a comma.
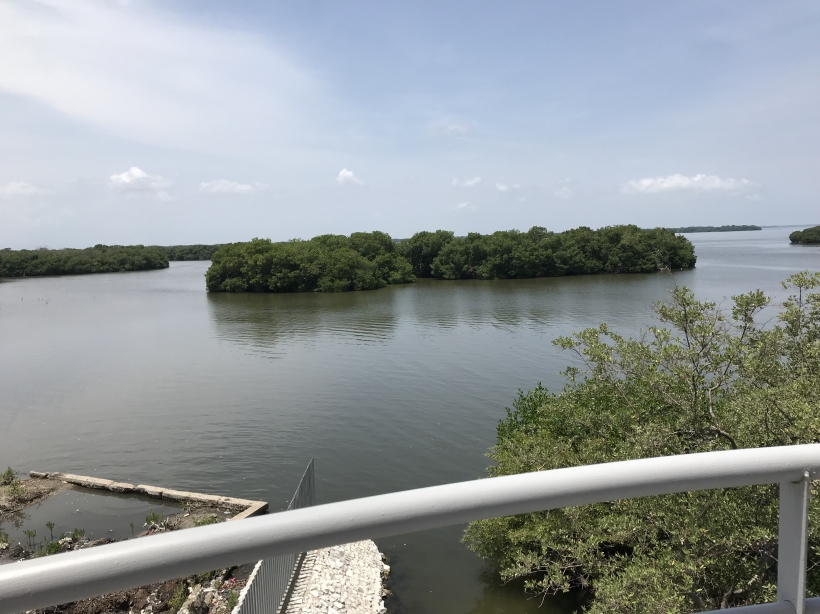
x: 70, y: 576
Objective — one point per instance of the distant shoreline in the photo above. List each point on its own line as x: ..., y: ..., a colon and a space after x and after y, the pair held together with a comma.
x: 691, y: 229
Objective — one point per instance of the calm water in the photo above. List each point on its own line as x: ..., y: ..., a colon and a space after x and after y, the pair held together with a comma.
x: 144, y: 377
x: 98, y: 513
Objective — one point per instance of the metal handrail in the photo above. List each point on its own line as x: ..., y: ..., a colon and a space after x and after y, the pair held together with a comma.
x: 75, y: 575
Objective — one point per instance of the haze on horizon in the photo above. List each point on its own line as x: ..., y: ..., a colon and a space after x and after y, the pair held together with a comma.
x: 202, y: 122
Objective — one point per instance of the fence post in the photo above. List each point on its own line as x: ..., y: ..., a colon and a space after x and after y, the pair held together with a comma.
x: 793, y: 542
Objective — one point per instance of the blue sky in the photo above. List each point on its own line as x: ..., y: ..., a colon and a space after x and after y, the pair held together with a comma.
x: 181, y: 122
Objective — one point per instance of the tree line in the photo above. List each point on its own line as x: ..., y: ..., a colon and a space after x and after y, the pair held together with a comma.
x: 189, y: 252
x: 327, y: 263
x: 512, y: 254
x: 701, y: 379
x: 97, y: 259
x: 807, y: 236
x: 366, y: 261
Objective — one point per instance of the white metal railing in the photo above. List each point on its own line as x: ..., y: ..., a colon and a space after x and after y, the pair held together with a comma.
x: 75, y: 575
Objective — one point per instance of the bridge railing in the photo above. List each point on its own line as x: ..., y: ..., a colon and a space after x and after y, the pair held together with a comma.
x: 75, y: 575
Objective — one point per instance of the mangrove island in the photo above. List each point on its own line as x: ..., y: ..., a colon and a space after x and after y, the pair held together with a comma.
x: 809, y: 236
x: 97, y: 259
x: 366, y: 261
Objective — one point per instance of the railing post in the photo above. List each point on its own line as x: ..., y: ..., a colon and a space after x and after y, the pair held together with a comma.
x: 793, y: 542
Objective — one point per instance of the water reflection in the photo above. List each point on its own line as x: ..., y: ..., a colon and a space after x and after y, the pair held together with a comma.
x: 270, y: 323
x: 270, y: 320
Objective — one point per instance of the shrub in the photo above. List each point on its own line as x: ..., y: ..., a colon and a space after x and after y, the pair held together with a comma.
x: 15, y: 490
x: 7, y: 477
x: 153, y: 518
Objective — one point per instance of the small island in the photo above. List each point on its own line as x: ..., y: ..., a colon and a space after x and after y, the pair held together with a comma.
x: 732, y: 228
x: 809, y: 236
x: 367, y: 261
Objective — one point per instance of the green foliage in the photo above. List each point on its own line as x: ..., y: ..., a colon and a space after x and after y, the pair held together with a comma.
x: 702, y: 380
x: 15, y: 490
x: 4, y: 539
x: 7, y: 477
x: 233, y: 599
x: 30, y: 535
x: 423, y: 248
x: 327, y: 263
x: 153, y: 518
x: 97, y: 259
x: 50, y: 526
x: 511, y: 254
x: 50, y: 547
x: 205, y: 520
x: 77, y: 534
x: 189, y: 252
x: 178, y: 598
x: 807, y: 236
x: 730, y: 228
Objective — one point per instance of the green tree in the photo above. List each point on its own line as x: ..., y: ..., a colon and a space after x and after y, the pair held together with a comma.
x: 422, y: 248
x: 327, y: 263
x: 808, y: 236
x: 97, y: 259
x: 701, y: 380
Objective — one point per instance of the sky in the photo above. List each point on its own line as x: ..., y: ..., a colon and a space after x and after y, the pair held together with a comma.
x: 196, y: 121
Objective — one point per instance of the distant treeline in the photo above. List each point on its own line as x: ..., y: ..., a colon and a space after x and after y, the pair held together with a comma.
x: 809, y: 235
x: 97, y: 259
x: 714, y: 228
x: 189, y: 252
x: 366, y: 261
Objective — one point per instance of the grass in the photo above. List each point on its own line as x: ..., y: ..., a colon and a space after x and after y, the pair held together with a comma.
x: 153, y: 518
x: 233, y: 599
x: 48, y: 548
x: 176, y: 601
x: 205, y: 520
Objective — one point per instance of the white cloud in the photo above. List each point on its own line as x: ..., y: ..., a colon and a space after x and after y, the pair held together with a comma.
x: 501, y: 187
x: 231, y: 187
x: 136, y: 180
x: 465, y: 207
x: 20, y: 188
x: 563, y: 192
x: 132, y: 69
x: 466, y: 183
x: 682, y: 183
x: 346, y: 176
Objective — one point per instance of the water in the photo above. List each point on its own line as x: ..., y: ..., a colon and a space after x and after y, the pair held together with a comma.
x: 145, y: 378
x: 98, y: 513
